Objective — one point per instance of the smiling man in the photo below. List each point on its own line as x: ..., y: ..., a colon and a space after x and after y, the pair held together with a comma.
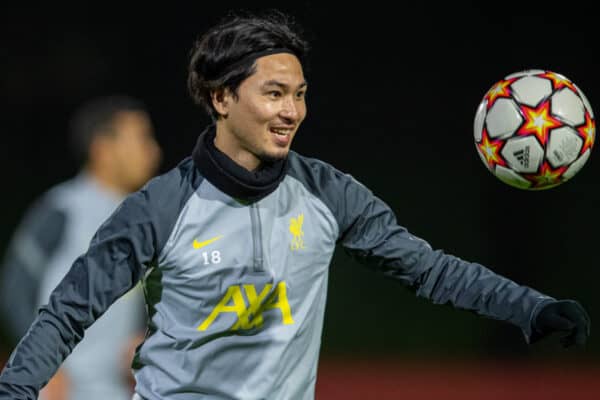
x: 259, y: 123
x: 233, y: 246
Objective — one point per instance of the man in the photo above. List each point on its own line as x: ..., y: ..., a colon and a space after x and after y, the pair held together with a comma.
x: 233, y: 246
x: 113, y: 138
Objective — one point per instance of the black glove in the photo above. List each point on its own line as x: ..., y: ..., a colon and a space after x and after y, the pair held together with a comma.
x: 566, y: 316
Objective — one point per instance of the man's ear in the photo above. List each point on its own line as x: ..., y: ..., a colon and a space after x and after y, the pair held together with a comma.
x: 220, y: 100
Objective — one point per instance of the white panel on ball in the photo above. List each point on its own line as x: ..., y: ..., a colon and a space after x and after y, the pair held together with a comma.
x: 531, y: 90
x: 588, y: 106
x: 563, y: 147
x: 479, y: 120
x: 577, y: 165
x: 524, y: 73
x: 509, y: 176
x: 567, y: 105
x: 523, y: 154
x: 503, y: 118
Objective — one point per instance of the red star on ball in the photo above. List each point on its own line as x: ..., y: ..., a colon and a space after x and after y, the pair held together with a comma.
x: 588, y: 132
x: 490, y: 149
x: 547, y: 176
x: 558, y: 81
x: 538, y: 121
x: 500, y: 89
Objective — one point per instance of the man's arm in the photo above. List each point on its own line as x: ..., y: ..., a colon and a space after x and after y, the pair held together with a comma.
x: 112, y: 265
x: 122, y: 249
x: 370, y: 233
x: 118, y: 254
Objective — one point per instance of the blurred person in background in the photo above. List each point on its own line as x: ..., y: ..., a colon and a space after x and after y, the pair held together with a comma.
x: 113, y: 138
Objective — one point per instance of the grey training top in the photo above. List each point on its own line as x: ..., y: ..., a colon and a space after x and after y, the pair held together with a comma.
x: 235, y: 288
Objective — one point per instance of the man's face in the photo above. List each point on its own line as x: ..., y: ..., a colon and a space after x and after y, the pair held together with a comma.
x: 261, y: 123
x: 135, y: 153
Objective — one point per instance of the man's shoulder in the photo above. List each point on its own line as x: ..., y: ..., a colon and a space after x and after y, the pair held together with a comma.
x: 183, y: 172
x: 169, y: 189
x: 160, y: 200
x: 299, y: 161
x: 310, y: 168
x: 321, y: 177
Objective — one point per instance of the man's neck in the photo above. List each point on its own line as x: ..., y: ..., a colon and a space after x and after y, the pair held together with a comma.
x: 228, y: 145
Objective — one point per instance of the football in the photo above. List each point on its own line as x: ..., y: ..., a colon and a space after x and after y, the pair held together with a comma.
x: 534, y: 129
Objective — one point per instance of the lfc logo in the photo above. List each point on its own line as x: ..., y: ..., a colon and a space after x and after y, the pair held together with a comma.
x: 296, y: 231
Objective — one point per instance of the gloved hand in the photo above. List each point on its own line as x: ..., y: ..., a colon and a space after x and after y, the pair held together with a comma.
x: 563, y: 316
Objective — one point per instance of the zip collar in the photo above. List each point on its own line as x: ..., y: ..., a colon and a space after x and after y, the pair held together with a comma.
x: 230, y: 177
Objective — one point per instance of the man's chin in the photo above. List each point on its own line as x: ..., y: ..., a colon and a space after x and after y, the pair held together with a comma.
x: 274, y: 156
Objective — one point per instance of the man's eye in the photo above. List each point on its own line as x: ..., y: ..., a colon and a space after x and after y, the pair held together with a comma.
x: 274, y: 93
x: 300, y: 95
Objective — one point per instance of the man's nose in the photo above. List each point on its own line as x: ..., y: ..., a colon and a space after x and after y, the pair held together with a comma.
x: 289, y: 110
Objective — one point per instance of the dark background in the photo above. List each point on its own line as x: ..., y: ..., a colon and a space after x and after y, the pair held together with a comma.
x: 392, y: 96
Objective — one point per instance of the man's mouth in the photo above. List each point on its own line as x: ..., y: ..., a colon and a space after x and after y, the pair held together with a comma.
x: 282, y: 131
x: 282, y: 135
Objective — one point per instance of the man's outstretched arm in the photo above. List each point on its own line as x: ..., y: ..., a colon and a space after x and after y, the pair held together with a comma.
x: 370, y: 233
x: 113, y: 264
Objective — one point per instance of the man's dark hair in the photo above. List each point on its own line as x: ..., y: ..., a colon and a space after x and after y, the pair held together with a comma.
x: 96, y: 117
x: 217, y: 57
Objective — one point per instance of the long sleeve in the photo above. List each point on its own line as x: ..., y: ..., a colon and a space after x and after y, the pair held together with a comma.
x: 122, y: 250
x: 370, y: 233
x: 112, y: 265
